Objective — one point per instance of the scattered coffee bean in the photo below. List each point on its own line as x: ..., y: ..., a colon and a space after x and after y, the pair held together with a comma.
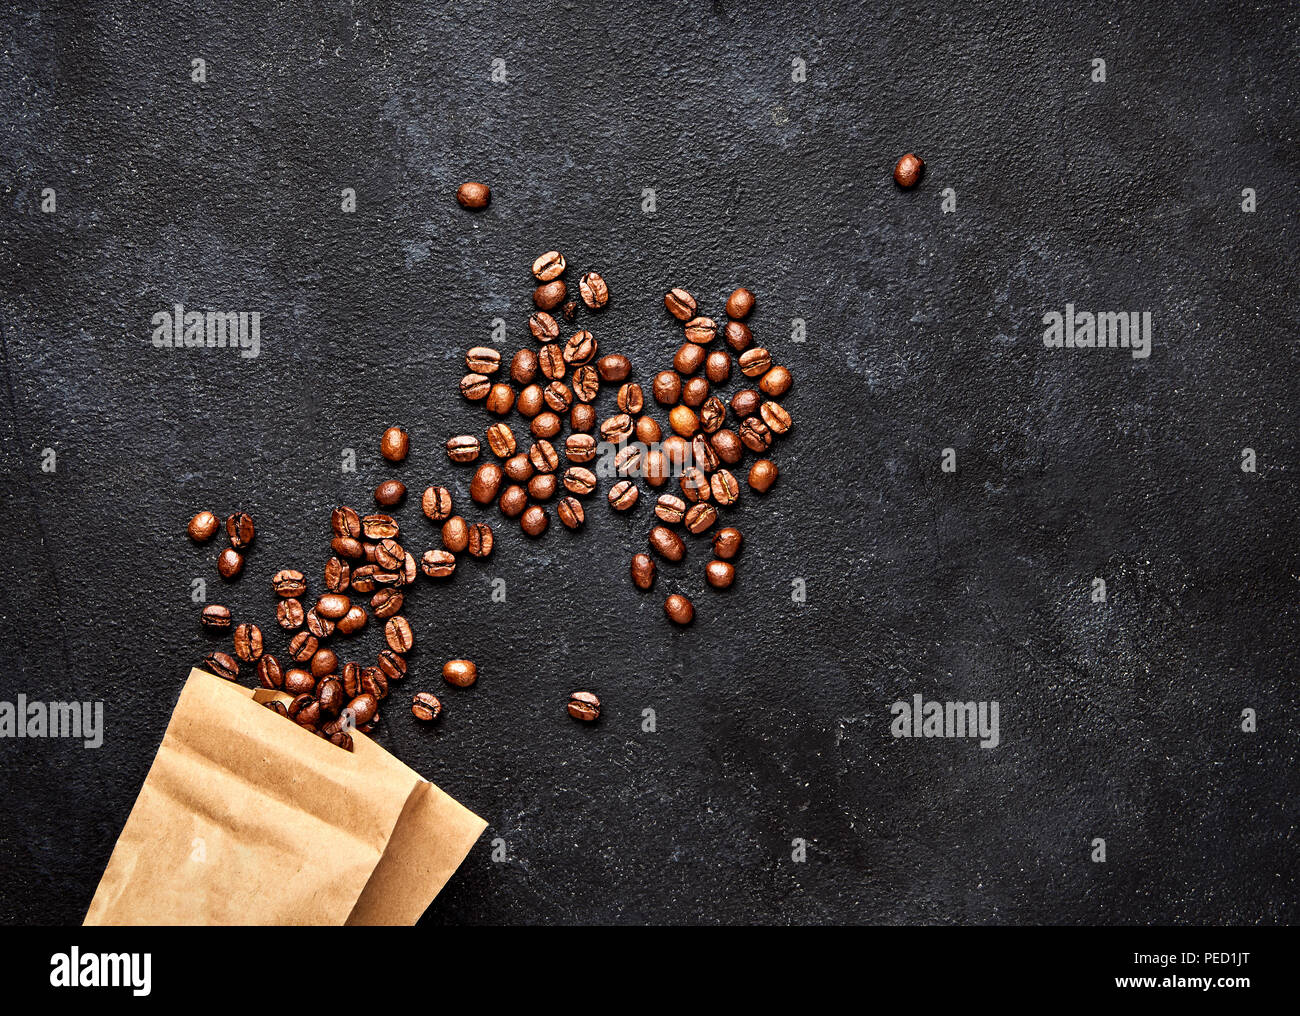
x: 656, y: 468
x: 776, y: 382
x: 570, y: 511
x: 229, y: 563
x: 398, y: 634
x: 712, y: 414
x: 755, y: 435
x: 269, y: 674
x: 695, y: 391
x: 388, y: 602
x: 549, y: 266
x: 631, y: 399
x: 455, y: 534
x: 277, y: 707
x: 338, y: 573
x: 558, y: 396
x: 614, y: 368
x: 737, y: 336
x: 425, y: 706
x: 531, y: 401
x: 248, y: 642
x: 667, y: 387
x: 617, y: 428
x: 500, y: 400
x: 379, y: 527
x: 585, y: 706
x: 717, y: 367
x: 756, y: 361
x: 594, y: 291
x: 643, y: 571
x: 461, y: 673
x: 703, y: 454
x: 344, y: 521
x: 728, y: 446
x: 667, y: 544
x: 688, y: 359
x: 389, y: 555
x: 472, y: 194
x: 542, y: 487
x: 323, y: 663
x: 523, y: 368
x: 725, y: 487
x: 628, y: 461
x: 680, y: 304
x: 239, y: 527
x: 727, y: 542
x: 570, y: 310
x: 519, y: 468
x: 534, y: 520
x: 363, y: 578
x: 694, y: 484
x: 582, y: 418
x: 544, y: 327
x: 362, y: 709
x: 679, y: 609
x: 329, y: 693
x: 551, y: 362
x: 774, y: 415
x: 670, y: 508
x: 203, y: 527
x: 480, y: 540
x: 740, y: 303
x: 393, y: 665
x: 701, y: 330
x: 395, y: 444
x: 907, y: 173
x: 485, y: 484
x: 333, y: 605
x: 475, y: 387
x: 215, y: 617
x: 303, y: 646
x: 436, y: 503
x: 550, y: 295
x: 543, y: 457
x: 290, y: 614
x: 374, y: 682
x: 438, y: 564
x: 647, y: 430
x: 762, y: 474
x: 390, y: 492
x: 700, y: 517
x: 353, y: 621
x: 580, y: 348
x: 719, y: 574
x: 579, y: 480
x: 513, y: 501
x: 288, y: 582
x: 683, y: 421
x: 482, y: 360
x: 501, y: 439
x: 623, y: 495
x: 745, y: 403
x: 586, y: 383
x: 222, y: 664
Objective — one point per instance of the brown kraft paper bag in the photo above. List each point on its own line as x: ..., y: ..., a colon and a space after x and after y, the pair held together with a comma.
x: 246, y: 818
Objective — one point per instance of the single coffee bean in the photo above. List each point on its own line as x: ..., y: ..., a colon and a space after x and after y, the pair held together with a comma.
x: 694, y: 484
x: 677, y: 449
x: 239, y: 527
x: 345, y: 522
x: 550, y: 295
x: 688, y: 359
x: 299, y: 682
x: 774, y: 415
x: 582, y: 418
x: 329, y: 693
x: 534, y: 520
x: 461, y: 673
x: 480, y: 540
x: 719, y: 574
x: 290, y: 614
x: 703, y: 454
x: 542, y: 487
x: 614, y: 368
x: 518, y: 468
x: 628, y: 461
x: 350, y: 678
x: 387, y: 602
x: 390, y: 492
x: 631, y: 399
x: 485, y: 484
x: 580, y: 348
x: 513, y: 501
x: 544, y: 327
x: 543, y: 457
x: 338, y: 573
x: 667, y: 544
x: 303, y: 646
x: 756, y: 361
x: 755, y: 435
x: 586, y: 383
x: 353, y: 621
x: 745, y: 403
x: 392, y: 665
x: 571, y: 513
x: 500, y: 400
x: 551, y: 363
x: 362, y: 709
x: 679, y: 609
x: 656, y: 468
x: 617, y: 428
x: 363, y: 578
x: 740, y: 303
x: 549, y: 266
x: 700, y: 517
x: 425, y: 706
x: 389, y: 555
x: 341, y: 739
x: 683, y: 421
x: 248, y: 642
x: 727, y: 542
x: 318, y: 626
x: 475, y: 387
x: 333, y: 605
x: 762, y: 474
x: 712, y: 414
x: 643, y: 571
x: 579, y: 480
x: 472, y: 194
x: 229, y: 563
x: 558, y: 395
x: 701, y: 330
x: 680, y: 304
x: 585, y: 706
x: 532, y: 400
x: 907, y: 173
x: 438, y: 564
x: 222, y: 664
x: 737, y: 336
x: 398, y: 634
x: 594, y: 291
x: 203, y: 527
x: 323, y: 663
x: 501, y: 439
x: 288, y: 582
x: 776, y: 382
x: 455, y: 534
x: 670, y: 508
x: 380, y: 527
x: 570, y: 310
x: 277, y: 707
x: 373, y: 682
x: 695, y: 391
x: 269, y: 674
x: 725, y: 487
x: 623, y: 495
x: 305, y: 711
x: 647, y: 430
x: 462, y: 448
x: 482, y: 360
x: 717, y: 366
x: 395, y: 444
x: 523, y: 368
x: 215, y: 617
x: 667, y: 387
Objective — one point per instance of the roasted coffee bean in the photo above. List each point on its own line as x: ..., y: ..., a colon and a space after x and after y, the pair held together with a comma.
x: 740, y: 303
x: 353, y: 621
x: 631, y: 399
x: 667, y: 387
x: 480, y: 540
x: 323, y: 662
x: 338, y: 573
x: 695, y: 391
x: 582, y: 418
x: 727, y: 542
x: 719, y: 574
x: 712, y: 414
x: 617, y: 429
x: 305, y: 711
x: 614, y: 368
x: 623, y: 495
x: 523, y: 368
x: 392, y: 665
x: 628, y: 461
x: 341, y: 739
x: 455, y: 534
x: 288, y: 582
x: 362, y: 709
x: 745, y: 403
x: 388, y: 578
x: 542, y: 487
x: 728, y: 447
x: 248, y: 642
x: 390, y: 492
x: 725, y: 487
x: 667, y: 544
x: 594, y: 291
x: 670, y: 508
x: 222, y: 664
x: 318, y: 626
x: 350, y: 678
x: 380, y: 527
x: 387, y: 602
x: 363, y: 578
x: 558, y: 395
x: 700, y: 517
x: 487, y: 481
x: 756, y: 361
x: 462, y: 448
x: 290, y: 614
x: 334, y: 605
x: 532, y: 400
x: 513, y: 501
x: 425, y: 706
x: 501, y: 439
x: 329, y: 693
x: 534, y: 520
x: 551, y: 363
x: 680, y: 304
x: 277, y: 707
x: 269, y: 674
x: 544, y: 327
x: 701, y: 330
x: 395, y: 444
x: 438, y: 564
x: 679, y: 609
x: 550, y: 295
x: 586, y: 383
x: 688, y: 359
x: 774, y: 415
x: 398, y: 634
x: 656, y: 468
x: 694, y: 484
x: 717, y: 367
x: 475, y: 387
x: 908, y: 171
x: 677, y: 449
x: 389, y: 555
x: 703, y: 454
x: 762, y: 474
x: 461, y: 673
x: 500, y: 400
x: 755, y: 435
x: 299, y: 682
x: 580, y: 348
x: 239, y: 527
x: 585, y: 706
x: 203, y: 527
x: 549, y: 266
x: 215, y: 616
x: 643, y: 571
x: 482, y: 360
x: 409, y: 569
x: 345, y: 522
x: 579, y: 480
x: 571, y: 513
x: 570, y: 310
x: 648, y: 431
x: 543, y: 457
x: 776, y: 382
x: 229, y: 563
x: 473, y: 195
x: 737, y: 336
x: 373, y: 682
x: 580, y: 448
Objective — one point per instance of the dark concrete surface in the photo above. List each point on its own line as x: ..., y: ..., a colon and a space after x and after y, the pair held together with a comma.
x: 1118, y: 720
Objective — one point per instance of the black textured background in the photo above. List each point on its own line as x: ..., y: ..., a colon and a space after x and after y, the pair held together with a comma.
x: 1118, y: 721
